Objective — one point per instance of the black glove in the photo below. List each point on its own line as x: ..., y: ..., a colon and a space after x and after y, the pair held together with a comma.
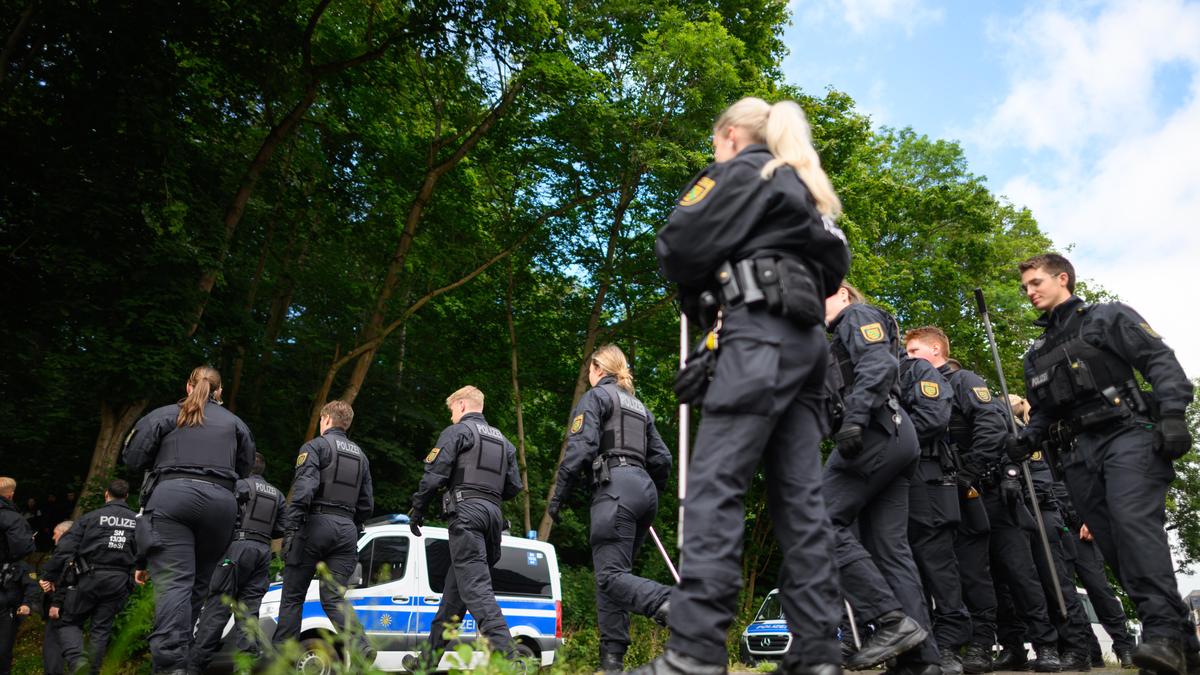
x: 849, y: 440
x: 691, y: 382
x: 415, y: 520
x: 552, y: 511
x: 966, y: 480
x: 1017, y: 448
x: 1172, y: 438
x: 1010, y: 487
x: 285, y: 548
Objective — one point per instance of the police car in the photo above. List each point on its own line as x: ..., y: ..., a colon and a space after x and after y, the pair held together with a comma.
x: 398, y: 585
x: 767, y: 637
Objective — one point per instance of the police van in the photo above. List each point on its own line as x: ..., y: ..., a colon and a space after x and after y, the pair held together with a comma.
x: 398, y: 584
x: 767, y: 637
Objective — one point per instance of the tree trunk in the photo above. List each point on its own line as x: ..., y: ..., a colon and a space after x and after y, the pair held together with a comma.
x: 115, y: 423
x: 15, y: 38
x: 512, y: 339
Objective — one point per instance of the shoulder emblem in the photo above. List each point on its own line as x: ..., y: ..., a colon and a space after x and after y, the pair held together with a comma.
x: 872, y: 332
x: 577, y: 424
x: 982, y: 394
x: 1150, y: 331
x: 930, y: 389
x: 300, y: 458
x: 698, y: 191
x: 33, y: 575
x: 1036, y: 456
x: 432, y: 455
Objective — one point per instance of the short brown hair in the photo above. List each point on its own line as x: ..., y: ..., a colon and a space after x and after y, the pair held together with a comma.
x: 1053, y: 264
x: 931, y: 335
x: 470, y: 393
x: 340, y: 413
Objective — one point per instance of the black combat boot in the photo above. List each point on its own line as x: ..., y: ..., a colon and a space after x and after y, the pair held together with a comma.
x: 1076, y: 661
x: 952, y: 663
x: 895, y: 633
x: 1047, y: 659
x: 1162, y: 655
x: 612, y: 662
x: 1011, y: 657
x: 1125, y: 657
x: 676, y: 663
x: 977, y: 659
x: 1191, y: 660
x: 661, y: 614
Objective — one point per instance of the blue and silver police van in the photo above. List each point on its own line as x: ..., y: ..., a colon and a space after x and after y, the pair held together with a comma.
x: 767, y: 637
x: 398, y: 585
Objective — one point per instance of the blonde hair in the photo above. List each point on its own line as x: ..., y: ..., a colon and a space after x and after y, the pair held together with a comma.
x: 856, y: 296
x: 205, y: 382
x: 468, y: 393
x: 7, y: 486
x: 339, y: 412
x: 611, y: 360
x: 786, y: 132
x: 1020, y: 408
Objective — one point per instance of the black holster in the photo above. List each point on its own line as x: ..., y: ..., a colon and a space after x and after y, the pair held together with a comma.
x: 601, y: 474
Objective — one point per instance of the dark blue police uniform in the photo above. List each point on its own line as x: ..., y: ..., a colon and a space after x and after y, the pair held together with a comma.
x: 18, y: 586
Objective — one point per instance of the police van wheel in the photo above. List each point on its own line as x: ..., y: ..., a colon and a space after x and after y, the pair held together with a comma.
x: 524, y: 651
x: 316, y: 658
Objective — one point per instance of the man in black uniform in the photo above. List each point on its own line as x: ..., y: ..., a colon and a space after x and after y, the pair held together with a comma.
x: 52, y: 603
x: 101, y: 546
x: 1117, y: 442
x: 331, y: 497
x: 242, y: 575
x: 866, y: 487
x: 933, y: 514
x: 16, y: 537
x: 1085, y: 563
x: 19, y: 593
x: 477, y: 466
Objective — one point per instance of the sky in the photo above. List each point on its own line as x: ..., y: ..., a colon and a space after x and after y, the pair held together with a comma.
x: 1086, y: 112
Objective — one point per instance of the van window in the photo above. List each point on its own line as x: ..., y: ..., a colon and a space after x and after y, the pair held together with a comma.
x: 519, y: 571
x: 772, y: 609
x: 384, y: 559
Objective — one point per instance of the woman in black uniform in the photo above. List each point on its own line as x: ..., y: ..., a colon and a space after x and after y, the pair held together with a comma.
x: 755, y: 230
x: 194, y: 451
x: 612, y: 434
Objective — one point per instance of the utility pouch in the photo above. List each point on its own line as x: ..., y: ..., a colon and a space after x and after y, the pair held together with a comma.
x: 766, y: 273
x: 82, y: 566
x: 601, y: 475
x: 801, y: 301
x: 731, y: 289
x: 149, y: 482
x: 449, y: 504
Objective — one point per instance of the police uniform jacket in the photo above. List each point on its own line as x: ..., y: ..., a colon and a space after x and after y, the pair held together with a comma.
x: 583, y: 441
x: 730, y: 213
x: 977, y: 426
x: 103, y: 538
x: 245, y: 492
x: 442, y: 460
x: 1118, y: 330
x: 16, y: 537
x: 314, y: 456
x: 222, y: 447
x: 865, y: 342
x: 927, y: 397
x: 19, y: 586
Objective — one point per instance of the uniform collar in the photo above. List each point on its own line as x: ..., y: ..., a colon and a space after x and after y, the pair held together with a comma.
x: 472, y: 415
x: 1058, y: 315
x: 753, y: 148
x: 335, y: 431
x: 607, y: 379
x: 949, y: 366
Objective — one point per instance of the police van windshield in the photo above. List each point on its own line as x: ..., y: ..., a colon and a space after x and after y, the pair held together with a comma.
x: 771, y: 610
x: 519, y: 571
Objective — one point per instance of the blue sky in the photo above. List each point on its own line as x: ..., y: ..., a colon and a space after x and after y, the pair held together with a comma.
x: 1087, y: 112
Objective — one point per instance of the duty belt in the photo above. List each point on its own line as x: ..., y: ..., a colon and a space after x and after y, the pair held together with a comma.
x: 251, y: 535
x: 227, y: 483
x: 333, y: 510
x: 459, y: 495
x: 624, y: 460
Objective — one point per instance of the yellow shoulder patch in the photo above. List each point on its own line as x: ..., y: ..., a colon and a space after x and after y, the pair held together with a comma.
x: 432, y: 455
x: 982, y: 394
x: 301, y: 457
x: 1036, y: 456
x: 930, y: 389
x: 577, y: 424
x: 33, y: 575
x: 1150, y: 331
x: 872, y: 332
x: 698, y: 191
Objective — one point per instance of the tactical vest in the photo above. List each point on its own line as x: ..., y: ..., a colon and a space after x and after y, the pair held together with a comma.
x: 625, y: 430
x: 485, y: 464
x: 211, y: 445
x: 342, y: 478
x: 1069, y: 375
x: 110, y: 543
x: 260, y: 511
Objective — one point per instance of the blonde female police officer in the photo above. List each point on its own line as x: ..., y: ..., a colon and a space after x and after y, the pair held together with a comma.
x: 613, y: 434
x: 761, y: 219
x: 195, y: 451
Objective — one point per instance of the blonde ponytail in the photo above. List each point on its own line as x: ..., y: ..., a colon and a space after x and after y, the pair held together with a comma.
x: 611, y: 360
x: 206, y: 383
x: 789, y: 138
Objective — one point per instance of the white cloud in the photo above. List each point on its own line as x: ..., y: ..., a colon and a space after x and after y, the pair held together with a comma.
x: 1117, y: 178
x: 867, y: 15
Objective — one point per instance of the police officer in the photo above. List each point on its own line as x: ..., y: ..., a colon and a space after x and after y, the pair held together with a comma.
x: 330, y: 499
x: 101, y: 546
x: 933, y: 514
x: 16, y: 537
x: 52, y: 603
x: 866, y: 486
x: 242, y: 576
x: 612, y: 434
x: 193, y: 452
x: 19, y: 593
x: 477, y: 466
x: 754, y: 237
x: 1117, y: 442
x: 977, y: 434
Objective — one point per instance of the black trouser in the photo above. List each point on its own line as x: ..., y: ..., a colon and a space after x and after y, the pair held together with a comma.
x: 185, y: 528
x: 99, y: 596
x: 1119, y: 487
x: 868, y: 504
x: 10, y: 623
x: 972, y: 549
x: 762, y: 406
x: 933, y: 518
x: 332, y: 539
x: 475, y: 530
x: 240, y: 578
x: 52, y: 656
x: 622, y: 512
x: 1012, y: 564
x: 1088, y: 567
x: 1075, y: 630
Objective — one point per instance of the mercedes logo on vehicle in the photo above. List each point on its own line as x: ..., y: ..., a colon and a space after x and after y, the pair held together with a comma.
x: 766, y: 642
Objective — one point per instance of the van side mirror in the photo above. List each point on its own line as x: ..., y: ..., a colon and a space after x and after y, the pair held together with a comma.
x: 355, y: 579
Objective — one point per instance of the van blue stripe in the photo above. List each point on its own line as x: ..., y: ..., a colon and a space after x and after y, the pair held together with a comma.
x: 381, y: 617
